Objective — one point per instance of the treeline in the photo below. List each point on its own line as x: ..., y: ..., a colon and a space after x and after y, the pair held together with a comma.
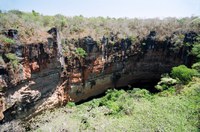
x: 30, y: 23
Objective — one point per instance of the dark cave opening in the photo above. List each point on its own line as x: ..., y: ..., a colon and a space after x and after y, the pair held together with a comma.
x: 148, y: 85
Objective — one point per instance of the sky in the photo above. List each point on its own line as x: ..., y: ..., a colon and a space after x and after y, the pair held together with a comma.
x: 110, y: 8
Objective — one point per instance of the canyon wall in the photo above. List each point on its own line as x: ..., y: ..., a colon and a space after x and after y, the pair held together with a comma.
x: 43, y: 75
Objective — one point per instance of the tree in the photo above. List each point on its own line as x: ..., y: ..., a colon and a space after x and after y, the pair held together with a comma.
x: 183, y: 73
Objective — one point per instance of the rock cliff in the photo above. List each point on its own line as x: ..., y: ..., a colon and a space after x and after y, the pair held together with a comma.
x: 51, y: 71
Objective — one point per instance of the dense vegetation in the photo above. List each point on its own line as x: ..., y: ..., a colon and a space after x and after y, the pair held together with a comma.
x: 134, y: 110
x: 33, y: 23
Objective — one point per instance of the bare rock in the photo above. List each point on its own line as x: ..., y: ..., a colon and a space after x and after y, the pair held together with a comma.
x: 26, y: 95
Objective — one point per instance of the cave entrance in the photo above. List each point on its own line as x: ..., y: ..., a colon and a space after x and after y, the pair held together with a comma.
x: 148, y: 85
x: 91, y: 98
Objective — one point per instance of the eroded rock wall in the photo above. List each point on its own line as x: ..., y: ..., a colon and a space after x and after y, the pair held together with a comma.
x: 122, y: 62
x: 45, y: 75
x: 30, y: 74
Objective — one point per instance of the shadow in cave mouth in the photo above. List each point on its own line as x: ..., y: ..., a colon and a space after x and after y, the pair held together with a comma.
x: 148, y: 85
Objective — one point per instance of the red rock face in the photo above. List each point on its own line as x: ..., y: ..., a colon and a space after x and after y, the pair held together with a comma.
x: 26, y: 71
x: 29, y: 78
x: 35, y: 67
x: 98, y: 66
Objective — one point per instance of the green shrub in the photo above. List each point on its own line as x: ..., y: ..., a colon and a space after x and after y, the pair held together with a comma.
x: 94, y: 103
x: 165, y: 83
x: 196, y: 66
x: 111, y: 100
x: 71, y: 104
x: 6, y: 40
x: 183, y: 73
x: 81, y: 52
x: 161, y: 87
x: 168, y: 92
x: 142, y: 93
x: 113, y: 95
x: 192, y: 89
x: 196, y: 50
x: 13, y: 58
x: 114, y: 107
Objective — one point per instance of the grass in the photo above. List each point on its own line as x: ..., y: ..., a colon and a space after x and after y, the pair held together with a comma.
x: 135, y: 110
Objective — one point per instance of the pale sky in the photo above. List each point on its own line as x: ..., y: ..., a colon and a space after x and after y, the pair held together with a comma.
x: 111, y: 8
